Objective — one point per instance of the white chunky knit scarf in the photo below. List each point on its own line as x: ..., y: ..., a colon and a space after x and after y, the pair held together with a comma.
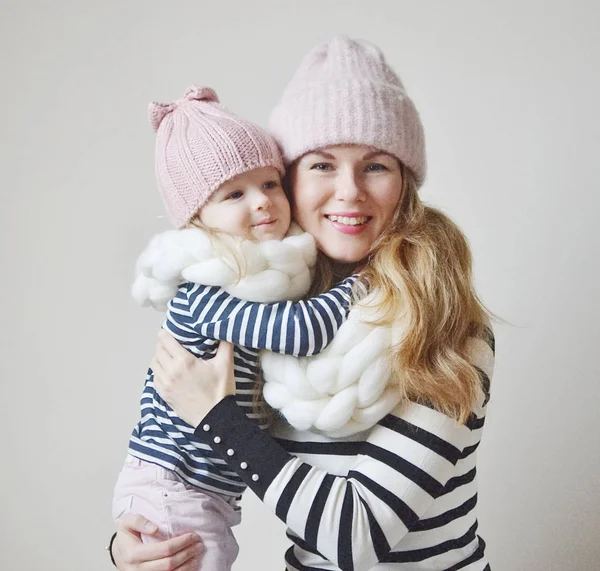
x: 272, y: 271
x: 341, y: 391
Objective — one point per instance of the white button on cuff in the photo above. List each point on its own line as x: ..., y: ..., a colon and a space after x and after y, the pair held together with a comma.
x: 217, y: 439
x: 230, y: 452
x: 243, y: 465
x: 206, y: 428
x: 255, y: 477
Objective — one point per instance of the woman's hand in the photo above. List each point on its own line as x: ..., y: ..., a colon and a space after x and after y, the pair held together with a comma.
x: 191, y: 386
x: 181, y: 553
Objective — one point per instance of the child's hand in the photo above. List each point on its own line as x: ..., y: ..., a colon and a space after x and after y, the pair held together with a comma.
x: 192, y: 386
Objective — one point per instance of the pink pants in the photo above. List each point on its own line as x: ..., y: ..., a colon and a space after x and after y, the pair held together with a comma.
x: 177, y: 507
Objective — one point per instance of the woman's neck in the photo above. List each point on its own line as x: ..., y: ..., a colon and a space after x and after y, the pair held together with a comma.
x: 342, y: 270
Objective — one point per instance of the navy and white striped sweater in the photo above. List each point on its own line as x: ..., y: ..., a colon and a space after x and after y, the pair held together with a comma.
x: 198, y: 317
x: 399, y: 496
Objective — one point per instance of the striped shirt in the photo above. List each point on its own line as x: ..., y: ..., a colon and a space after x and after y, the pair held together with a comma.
x: 399, y: 496
x: 198, y: 317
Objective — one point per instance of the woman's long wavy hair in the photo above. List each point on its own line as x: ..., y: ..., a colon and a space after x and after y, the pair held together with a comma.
x: 422, y: 266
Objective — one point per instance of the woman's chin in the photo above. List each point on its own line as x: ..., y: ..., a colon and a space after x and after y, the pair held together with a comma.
x: 344, y: 253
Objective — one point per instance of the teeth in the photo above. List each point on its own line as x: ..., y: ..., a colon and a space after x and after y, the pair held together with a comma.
x: 348, y: 221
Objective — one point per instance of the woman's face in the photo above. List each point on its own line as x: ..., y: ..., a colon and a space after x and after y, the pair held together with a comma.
x: 345, y: 196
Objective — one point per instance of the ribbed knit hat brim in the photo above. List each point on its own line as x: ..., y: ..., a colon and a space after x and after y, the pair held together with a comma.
x: 344, y: 92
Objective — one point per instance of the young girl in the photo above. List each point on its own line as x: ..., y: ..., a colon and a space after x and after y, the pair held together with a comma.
x: 220, y: 180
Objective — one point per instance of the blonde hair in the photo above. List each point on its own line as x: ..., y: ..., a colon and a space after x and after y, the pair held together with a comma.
x: 422, y: 268
x: 221, y: 244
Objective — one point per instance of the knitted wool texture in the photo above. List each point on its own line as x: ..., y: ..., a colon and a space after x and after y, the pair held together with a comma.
x: 340, y: 391
x: 199, y: 146
x: 273, y: 270
x: 344, y: 92
x: 345, y: 388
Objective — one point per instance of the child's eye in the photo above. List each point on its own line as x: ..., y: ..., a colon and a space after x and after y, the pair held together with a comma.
x: 235, y: 195
x: 376, y: 167
x: 322, y: 167
x: 268, y: 185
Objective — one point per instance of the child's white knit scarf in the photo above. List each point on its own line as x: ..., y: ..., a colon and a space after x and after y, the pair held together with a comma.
x: 342, y: 390
x: 272, y: 271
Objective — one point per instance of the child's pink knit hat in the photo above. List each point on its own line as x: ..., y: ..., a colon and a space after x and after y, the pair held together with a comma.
x: 199, y: 146
x: 344, y: 92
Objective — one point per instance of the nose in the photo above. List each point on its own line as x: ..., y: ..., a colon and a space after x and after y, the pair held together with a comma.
x: 348, y: 186
x: 261, y: 200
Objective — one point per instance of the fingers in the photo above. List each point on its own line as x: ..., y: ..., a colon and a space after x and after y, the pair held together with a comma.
x: 172, y: 554
x: 181, y: 553
x: 171, y: 354
x: 162, y: 343
x: 191, y: 565
x: 162, y: 356
x: 224, y: 352
x: 136, y: 524
x: 157, y: 369
x: 186, y: 559
x: 170, y: 344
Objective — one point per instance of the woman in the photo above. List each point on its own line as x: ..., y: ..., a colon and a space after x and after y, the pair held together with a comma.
x: 402, y: 493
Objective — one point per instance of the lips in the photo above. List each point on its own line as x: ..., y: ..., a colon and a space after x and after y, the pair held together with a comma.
x: 265, y: 222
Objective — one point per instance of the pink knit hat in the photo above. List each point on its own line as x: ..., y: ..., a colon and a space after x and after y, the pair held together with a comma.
x: 344, y: 92
x: 199, y: 146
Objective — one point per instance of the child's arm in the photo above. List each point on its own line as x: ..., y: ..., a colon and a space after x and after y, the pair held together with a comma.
x: 299, y: 328
x: 179, y: 325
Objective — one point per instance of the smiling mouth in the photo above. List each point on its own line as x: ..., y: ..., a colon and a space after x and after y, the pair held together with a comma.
x: 348, y: 220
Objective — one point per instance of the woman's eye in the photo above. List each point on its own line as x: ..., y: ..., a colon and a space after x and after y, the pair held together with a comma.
x: 323, y: 167
x: 270, y: 184
x: 235, y: 195
x: 376, y: 167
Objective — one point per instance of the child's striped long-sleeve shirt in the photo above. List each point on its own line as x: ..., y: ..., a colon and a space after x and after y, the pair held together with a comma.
x: 199, y: 317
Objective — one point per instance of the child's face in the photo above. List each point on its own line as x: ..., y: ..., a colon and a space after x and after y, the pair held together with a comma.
x: 251, y: 204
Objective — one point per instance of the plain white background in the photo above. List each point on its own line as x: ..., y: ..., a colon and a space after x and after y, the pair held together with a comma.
x: 508, y: 92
